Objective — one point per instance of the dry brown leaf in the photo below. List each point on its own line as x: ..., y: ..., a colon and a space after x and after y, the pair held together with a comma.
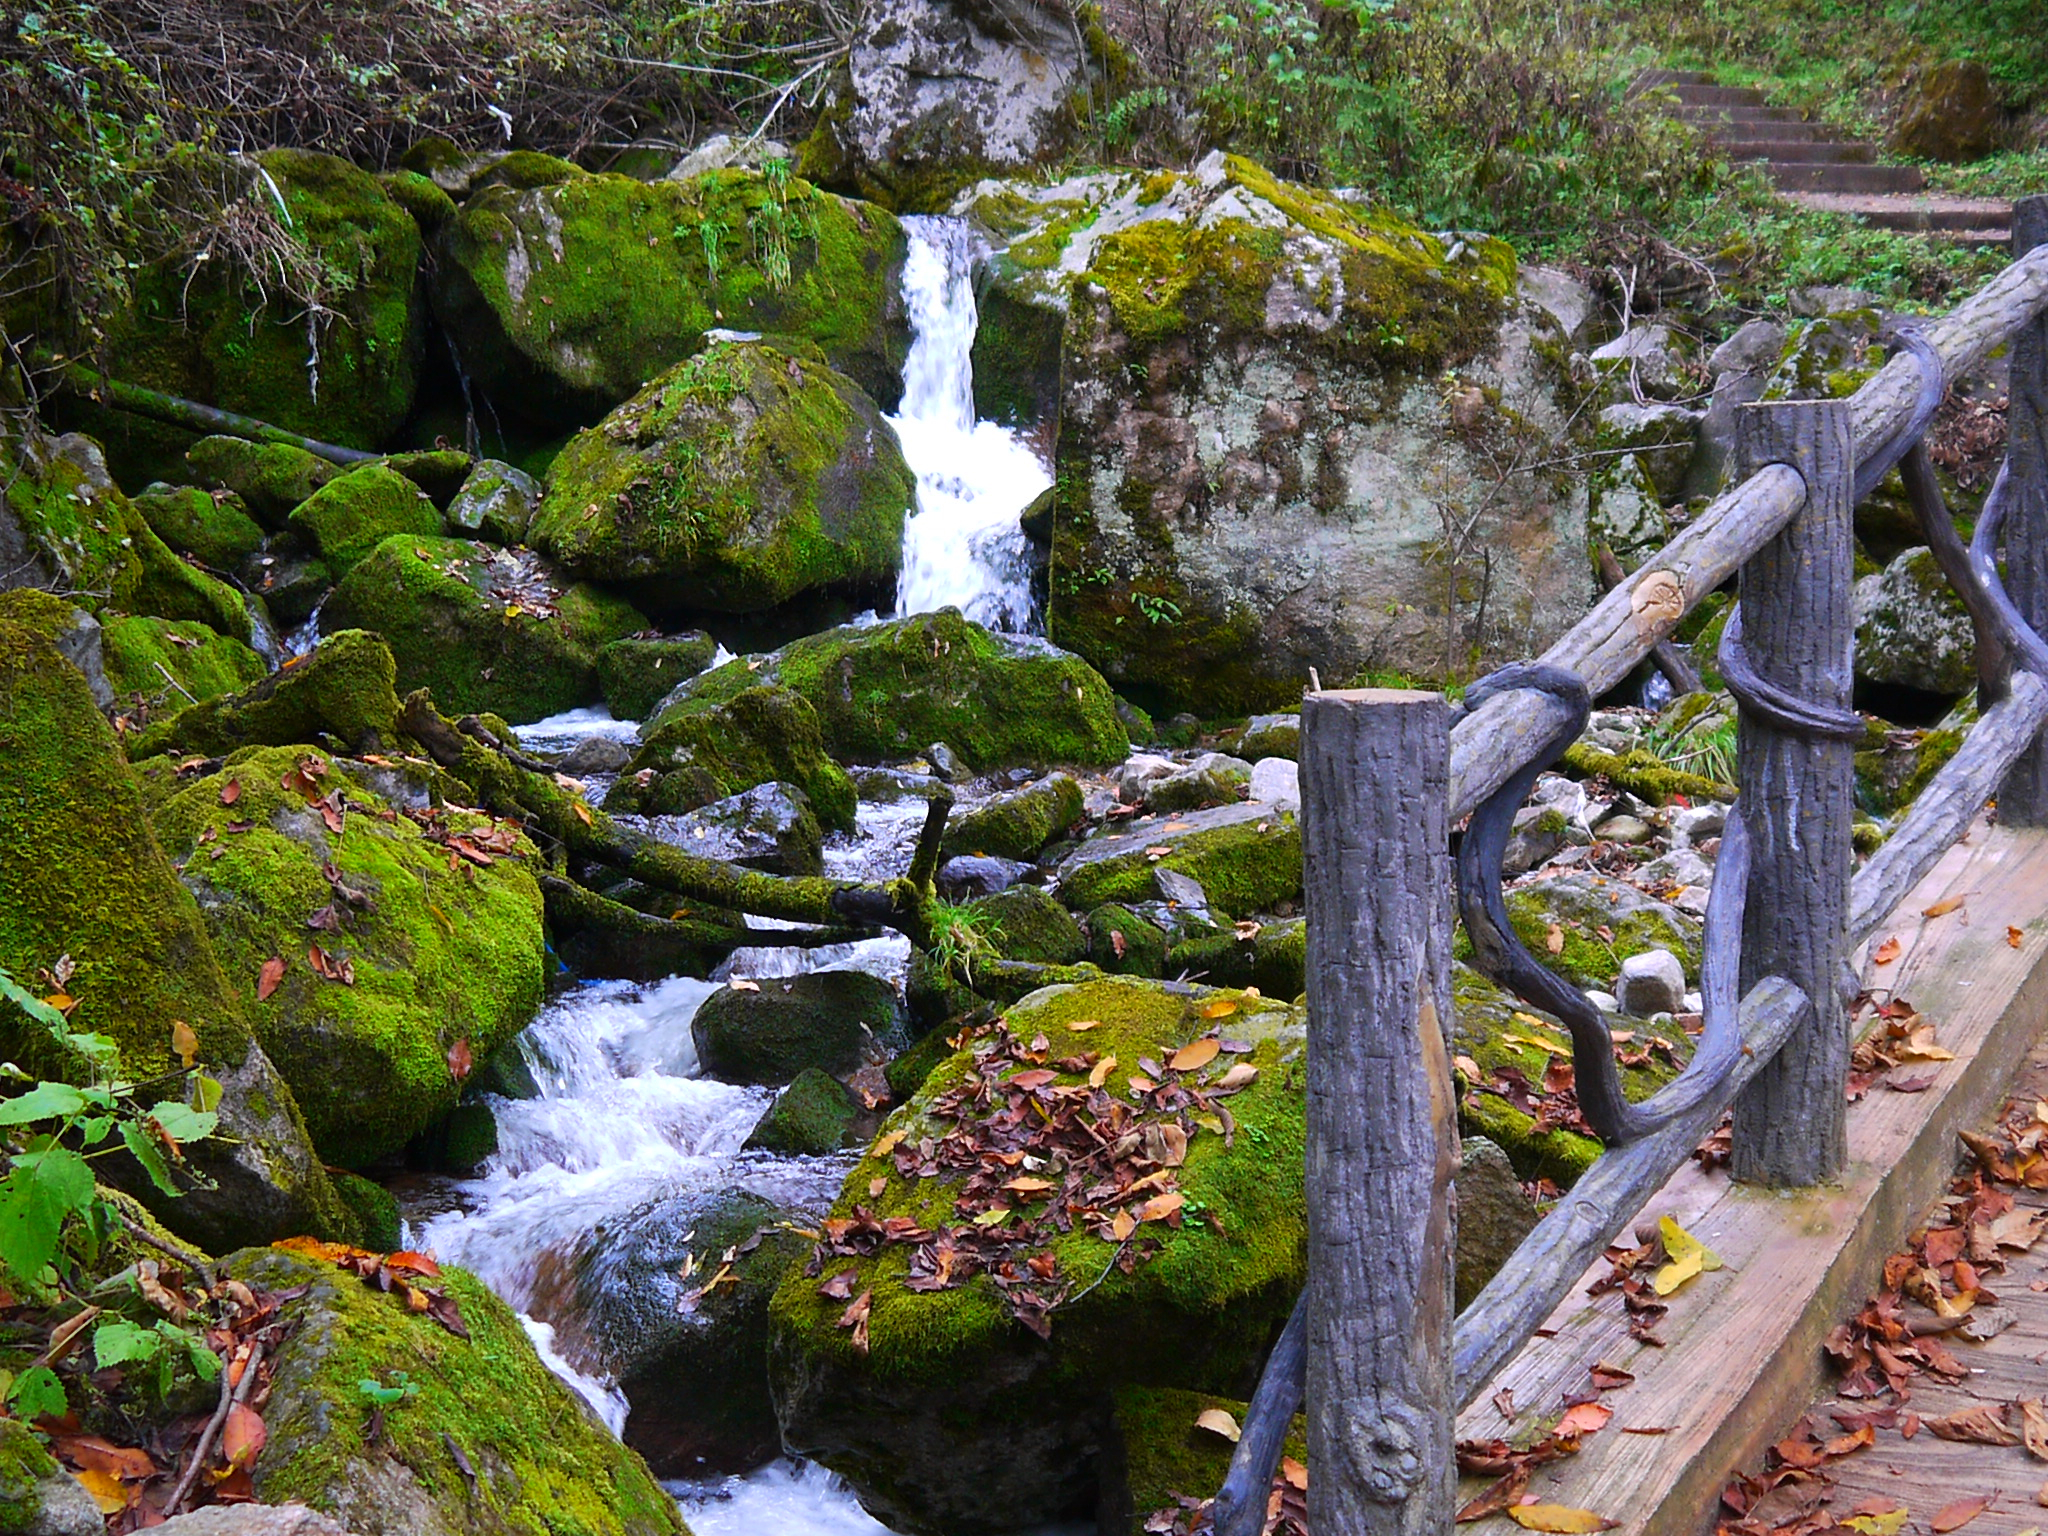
x: 1583, y: 1419
x: 268, y: 978
x: 460, y: 1059
x: 1885, y: 953
x: 2033, y: 1427
x: 242, y: 1437
x: 1980, y: 1424
x: 1238, y: 1076
x: 1943, y: 907
x: 1953, y: 1517
x: 1099, y: 1074
x: 1559, y: 1518
x: 856, y: 1317
x: 184, y: 1041
x: 1498, y: 1498
x: 1295, y: 1474
x: 1554, y: 940
x: 231, y: 791
x: 1196, y: 1054
x: 741, y: 984
x: 1159, y: 1207
x: 2013, y: 936
x: 1082, y: 1026
x: 1217, y: 1422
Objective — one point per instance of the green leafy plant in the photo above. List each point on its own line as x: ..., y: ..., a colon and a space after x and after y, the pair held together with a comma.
x: 1157, y: 610
x: 400, y: 1389
x: 963, y: 938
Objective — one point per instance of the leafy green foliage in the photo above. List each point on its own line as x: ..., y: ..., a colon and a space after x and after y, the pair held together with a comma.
x: 390, y: 1394
x: 962, y: 937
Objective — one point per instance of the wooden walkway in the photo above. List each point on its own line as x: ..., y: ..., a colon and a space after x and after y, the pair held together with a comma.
x: 1740, y: 1356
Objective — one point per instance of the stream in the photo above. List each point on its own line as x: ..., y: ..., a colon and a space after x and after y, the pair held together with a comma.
x: 624, y: 1116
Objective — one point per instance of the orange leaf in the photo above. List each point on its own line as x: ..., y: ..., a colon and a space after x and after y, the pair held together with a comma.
x: 1159, y: 1207
x: 2013, y: 936
x: 1195, y: 1055
x: 1554, y: 940
x: 243, y: 1436
x: 1559, y: 1519
x: 268, y: 978
x: 184, y: 1041
x: 1295, y: 1474
x: 459, y: 1059
x: 1943, y: 907
x: 412, y: 1263
x: 1885, y: 953
x: 1584, y: 1419
x: 231, y: 791
x: 90, y: 1451
x: 582, y: 811
x: 1953, y: 1517
x: 1123, y: 1225
x: 1081, y: 1026
x: 1222, y: 1007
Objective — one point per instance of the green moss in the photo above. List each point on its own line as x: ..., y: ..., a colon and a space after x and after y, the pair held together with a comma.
x: 1643, y: 774
x: 1886, y: 785
x: 343, y: 690
x: 375, y: 1207
x: 738, y: 479
x: 758, y: 736
x: 429, y: 206
x: 1275, y: 959
x: 636, y: 675
x: 814, y: 1115
x: 173, y: 663
x: 822, y: 1019
x: 543, y: 1465
x: 579, y: 293
x: 1244, y: 867
x: 24, y: 1464
x: 1157, y: 1457
x: 1018, y: 824
x: 352, y: 514
x: 214, y: 530
x: 440, y: 955
x: 485, y: 629
x: 886, y: 692
x: 270, y: 478
x: 906, y: 1074
x: 1025, y: 923
x: 1581, y: 907
x: 1125, y: 944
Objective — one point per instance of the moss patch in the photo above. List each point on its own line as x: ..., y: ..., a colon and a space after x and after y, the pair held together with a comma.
x: 1018, y: 824
x: 214, y: 530
x: 758, y: 736
x: 636, y: 675
x: 343, y: 690
x: 170, y: 663
x: 1244, y: 867
x: 352, y: 514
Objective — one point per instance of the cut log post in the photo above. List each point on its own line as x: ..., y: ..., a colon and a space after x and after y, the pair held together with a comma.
x: 1799, y: 630
x: 1382, y: 1111
x: 2023, y: 800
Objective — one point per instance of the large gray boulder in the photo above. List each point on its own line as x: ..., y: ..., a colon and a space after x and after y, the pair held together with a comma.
x: 1912, y: 630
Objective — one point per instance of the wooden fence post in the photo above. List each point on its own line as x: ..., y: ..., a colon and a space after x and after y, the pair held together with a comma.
x: 2023, y: 798
x: 1382, y: 1112
x: 1799, y: 631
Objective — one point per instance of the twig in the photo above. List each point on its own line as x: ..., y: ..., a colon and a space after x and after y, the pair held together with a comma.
x: 230, y: 1394
x: 196, y: 1262
x: 173, y: 681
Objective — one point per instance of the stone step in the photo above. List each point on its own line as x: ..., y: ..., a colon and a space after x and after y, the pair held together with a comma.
x: 1975, y: 220
x: 1798, y: 151
x: 1718, y: 95
x: 1712, y: 117
x: 1848, y: 178
x: 1778, y: 130
x: 1651, y: 79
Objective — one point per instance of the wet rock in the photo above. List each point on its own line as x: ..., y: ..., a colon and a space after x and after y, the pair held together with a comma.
x: 737, y: 480
x: 488, y: 630
x: 253, y: 1520
x: 957, y: 1419
x: 702, y: 750
x: 769, y: 827
x: 1271, y: 736
x: 496, y: 502
x: 383, y: 1225
x: 1494, y: 1215
x: 289, y: 578
x: 812, y: 1116
x: 1951, y: 111
x: 1276, y: 781
x: 1912, y: 629
x: 418, y: 956
x: 946, y: 764
x: 343, y: 690
x: 164, y: 664
x: 636, y: 674
x: 1274, y: 958
x: 1019, y: 823
x: 493, y: 1442
x: 968, y: 875
x: 353, y: 513
x: 1245, y: 865
x: 1214, y: 778
x: 1651, y: 982
x: 833, y: 1020
x: 1694, y: 824
x: 1024, y: 922
x: 596, y: 754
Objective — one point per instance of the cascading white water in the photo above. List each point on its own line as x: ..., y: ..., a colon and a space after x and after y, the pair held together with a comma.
x: 963, y: 545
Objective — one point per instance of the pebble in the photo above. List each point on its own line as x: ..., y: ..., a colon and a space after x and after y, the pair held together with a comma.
x: 1651, y: 983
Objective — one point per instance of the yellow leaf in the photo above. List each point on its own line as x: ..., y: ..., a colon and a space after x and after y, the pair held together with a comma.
x: 991, y: 1218
x: 1100, y: 1074
x: 184, y: 1041
x: 105, y: 1488
x: 1688, y: 1256
x: 582, y: 811
x: 1559, y: 1519
x: 1123, y: 1225
x: 1217, y: 1422
x: 1081, y: 1026
x: 1159, y: 1207
x: 1887, y: 1524
x: 1539, y: 1043
x: 1195, y: 1055
x: 884, y: 1145
x: 1220, y: 1008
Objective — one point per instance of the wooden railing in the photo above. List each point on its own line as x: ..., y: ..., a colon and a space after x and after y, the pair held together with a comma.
x: 1374, y: 1348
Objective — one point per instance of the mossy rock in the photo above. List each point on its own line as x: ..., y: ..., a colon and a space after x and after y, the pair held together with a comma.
x: 375, y: 1206
x: 572, y: 295
x: 170, y: 662
x: 1580, y: 907
x: 760, y: 735
x: 214, y: 529
x: 215, y: 336
x: 906, y: 1074
x: 1126, y: 944
x: 1017, y: 824
x: 440, y: 955
x: 636, y: 675
x: 1274, y: 959
x: 1026, y: 923
x: 1891, y: 772
x: 1243, y: 867
x: 959, y: 1419
x: 488, y: 630
x: 832, y: 1020
x: 270, y: 478
x: 693, y: 1366
x: 814, y: 1115
x: 289, y: 579
x: 737, y: 480
x: 1156, y: 1455
x: 770, y: 827
x: 885, y: 692
x: 542, y: 1464
x: 82, y: 874
x: 38, y: 1497
x: 440, y: 472
x: 353, y: 513
x: 1912, y: 629
x: 496, y: 502
x: 342, y: 689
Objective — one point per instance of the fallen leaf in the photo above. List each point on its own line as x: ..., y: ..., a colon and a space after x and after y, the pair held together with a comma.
x: 1583, y: 1419
x: 1221, y: 1008
x: 1943, y: 907
x: 231, y: 791
x: 856, y: 1318
x: 1099, y: 1074
x: 1874, y: 1524
x: 1498, y: 1498
x: 1159, y: 1207
x: 1953, y: 1517
x: 1554, y: 942
x: 1980, y: 1424
x: 1687, y: 1254
x: 184, y: 1041
x: 1247, y: 928
x: 2013, y: 936
x: 741, y: 984
x: 1559, y: 1518
x: 582, y: 811
x: 1082, y: 1026
x: 268, y: 978
x: 1217, y: 1422
x: 91, y: 1452
x: 106, y: 1490
x: 1195, y: 1055
x: 1294, y: 1473
x: 2033, y: 1427
x: 1607, y: 1378
x: 460, y: 1060
x: 1238, y: 1076
x: 242, y: 1437
x: 1885, y: 953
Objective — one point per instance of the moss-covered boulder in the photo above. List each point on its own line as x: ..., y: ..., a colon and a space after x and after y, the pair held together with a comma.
x: 1018, y: 823
x: 1243, y: 865
x: 1026, y: 923
x: 738, y: 479
x: 814, y: 1115
x: 491, y: 1444
x: 692, y: 1358
x: 440, y: 472
x: 270, y: 478
x: 947, y: 1410
x: 573, y: 294
x: 376, y: 1207
x: 213, y: 528
x: 495, y: 502
x: 1599, y: 923
x: 353, y: 513
x: 342, y: 689
x: 770, y: 827
x: 771, y: 1030
x: 695, y: 755
x: 289, y: 579
x: 1157, y: 1455
x: 361, y: 956
x: 1273, y: 958
x: 885, y: 692
x: 1912, y: 630
x: 1257, y: 448
x: 235, y: 339
x: 1125, y: 943
x: 82, y: 875
x: 168, y: 663
x: 636, y: 675
x: 489, y: 630
x: 38, y: 1497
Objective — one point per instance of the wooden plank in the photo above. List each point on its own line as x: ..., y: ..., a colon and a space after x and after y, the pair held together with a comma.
x: 1742, y: 1353
x: 2024, y: 799
x: 1382, y: 1145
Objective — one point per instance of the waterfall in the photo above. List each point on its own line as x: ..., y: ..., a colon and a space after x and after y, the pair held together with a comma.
x: 963, y: 544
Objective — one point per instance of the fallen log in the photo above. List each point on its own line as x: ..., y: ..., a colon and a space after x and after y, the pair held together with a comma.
x: 177, y: 411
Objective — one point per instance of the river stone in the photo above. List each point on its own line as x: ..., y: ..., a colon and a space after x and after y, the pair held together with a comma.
x: 833, y: 1020
x: 252, y: 1520
x: 1276, y: 781
x: 270, y: 478
x: 1651, y: 982
x: 213, y: 528
x: 494, y: 1444
x: 342, y: 689
x: 596, y: 754
x: 1912, y: 629
x: 814, y: 1115
x: 704, y: 750
x: 936, y: 93
x: 288, y: 577
x: 1221, y: 529
x: 1650, y: 355
x: 1214, y: 778
x: 37, y: 1496
x: 353, y: 513
x: 165, y: 664
x: 769, y: 827
x: 968, y: 875
x: 1026, y: 923
x: 1494, y: 1215
x: 1247, y: 858
x: 496, y: 502
x: 1016, y: 824
x: 636, y: 674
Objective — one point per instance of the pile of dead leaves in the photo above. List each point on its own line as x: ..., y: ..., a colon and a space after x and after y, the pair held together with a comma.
x: 396, y: 1274
x: 1286, y: 1508
x: 1040, y: 1145
x: 1786, y: 1498
x: 1583, y: 1412
x: 1904, y: 1037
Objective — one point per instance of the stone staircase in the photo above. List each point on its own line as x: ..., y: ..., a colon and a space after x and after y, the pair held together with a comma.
x: 1813, y: 166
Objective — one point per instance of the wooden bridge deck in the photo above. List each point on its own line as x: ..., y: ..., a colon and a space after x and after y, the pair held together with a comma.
x: 1741, y: 1355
